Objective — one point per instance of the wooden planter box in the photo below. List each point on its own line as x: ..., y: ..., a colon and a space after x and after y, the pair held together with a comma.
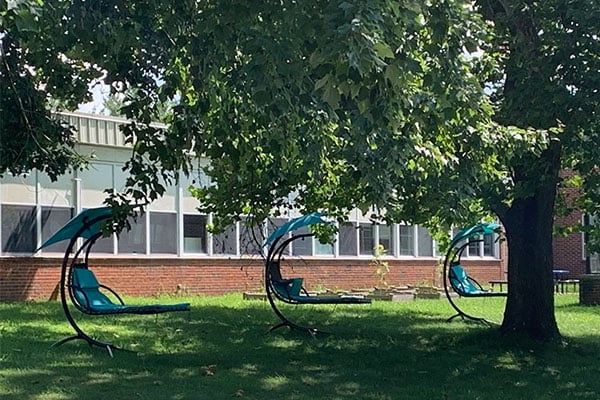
x: 427, y: 292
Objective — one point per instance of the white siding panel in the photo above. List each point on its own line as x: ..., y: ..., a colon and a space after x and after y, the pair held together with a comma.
x: 57, y: 194
x: 18, y: 189
x: 93, y: 183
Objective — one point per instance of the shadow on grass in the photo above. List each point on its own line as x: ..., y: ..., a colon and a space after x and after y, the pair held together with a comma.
x: 223, y: 351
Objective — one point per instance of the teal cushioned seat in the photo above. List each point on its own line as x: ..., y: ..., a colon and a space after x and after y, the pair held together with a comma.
x: 464, y: 285
x: 87, y: 292
x: 290, y: 289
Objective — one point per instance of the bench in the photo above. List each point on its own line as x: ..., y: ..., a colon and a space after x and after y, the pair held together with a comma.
x: 498, y: 282
x: 562, y: 285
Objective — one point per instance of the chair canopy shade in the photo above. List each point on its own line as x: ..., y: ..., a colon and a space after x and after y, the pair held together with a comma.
x: 89, y: 220
x: 476, y: 230
x: 296, y: 223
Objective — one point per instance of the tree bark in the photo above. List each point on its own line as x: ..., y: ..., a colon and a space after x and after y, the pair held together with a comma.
x: 528, y: 220
x: 529, y: 224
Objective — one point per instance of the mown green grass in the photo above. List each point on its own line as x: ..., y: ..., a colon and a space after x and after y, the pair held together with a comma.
x: 221, y: 350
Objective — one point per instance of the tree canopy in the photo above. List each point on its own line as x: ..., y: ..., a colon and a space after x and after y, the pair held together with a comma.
x: 434, y: 112
x: 29, y: 137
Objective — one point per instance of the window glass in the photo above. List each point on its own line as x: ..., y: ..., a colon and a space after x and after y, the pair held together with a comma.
x: 386, y: 238
x: 163, y: 233
x: 367, y: 238
x: 407, y: 240
x: 104, y: 245
x: 194, y: 233
x: 251, y: 239
x: 54, y: 218
x: 325, y: 249
x: 347, y: 240
x: 18, y: 229
x: 489, y: 245
x: 226, y: 241
x: 474, y: 246
x: 456, y: 231
x: 302, y: 247
x: 134, y: 240
x: 425, y: 242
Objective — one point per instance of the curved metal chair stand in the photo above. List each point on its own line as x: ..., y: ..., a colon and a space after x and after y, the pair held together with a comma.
x: 457, y: 279
x: 79, y: 286
x: 291, y: 291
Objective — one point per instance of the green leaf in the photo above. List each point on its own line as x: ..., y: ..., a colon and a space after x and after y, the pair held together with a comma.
x: 383, y: 50
x: 331, y: 96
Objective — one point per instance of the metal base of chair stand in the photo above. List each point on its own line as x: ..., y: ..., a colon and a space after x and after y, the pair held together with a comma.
x: 92, y: 342
x: 286, y: 322
x: 466, y: 317
x: 312, y: 331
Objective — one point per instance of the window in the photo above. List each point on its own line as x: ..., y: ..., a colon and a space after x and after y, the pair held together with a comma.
x: 302, y: 247
x: 474, y: 247
x: 104, y: 245
x: 489, y: 245
x: 407, y: 240
x: 386, y: 238
x: 18, y: 229
x: 273, y: 224
x: 194, y: 233
x: 425, y: 242
x: 163, y: 233
x: 481, y: 246
x: 134, y: 240
x: 325, y: 249
x: 347, y: 240
x: 367, y: 238
x: 53, y: 219
x: 251, y: 239
x: 226, y: 241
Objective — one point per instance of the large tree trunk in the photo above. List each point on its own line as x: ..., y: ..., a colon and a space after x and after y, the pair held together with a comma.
x: 528, y: 224
x: 528, y: 221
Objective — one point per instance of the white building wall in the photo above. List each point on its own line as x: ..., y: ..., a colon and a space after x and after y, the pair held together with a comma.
x: 34, y: 199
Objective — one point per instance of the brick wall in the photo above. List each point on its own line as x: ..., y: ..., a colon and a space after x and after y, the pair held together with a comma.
x: 568, y: 250
x: 36, y: 278
x: 589, y: 289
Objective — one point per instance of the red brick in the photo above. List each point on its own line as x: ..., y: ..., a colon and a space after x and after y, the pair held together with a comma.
x: 36, y: 278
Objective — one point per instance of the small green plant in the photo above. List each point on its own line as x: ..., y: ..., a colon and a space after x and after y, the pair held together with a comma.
x: 381, y: 266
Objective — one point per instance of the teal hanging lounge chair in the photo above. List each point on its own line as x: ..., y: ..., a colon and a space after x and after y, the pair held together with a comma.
x: 291, y: 290
x: 456, y: 278
x: 78, y: 284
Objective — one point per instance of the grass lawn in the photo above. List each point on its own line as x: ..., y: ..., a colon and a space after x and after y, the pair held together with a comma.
x: 221, y: 350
